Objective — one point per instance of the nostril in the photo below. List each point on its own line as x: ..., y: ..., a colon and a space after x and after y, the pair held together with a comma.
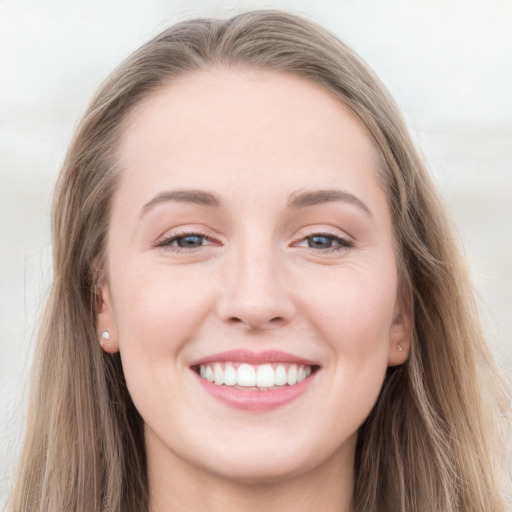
x: 257, y: 324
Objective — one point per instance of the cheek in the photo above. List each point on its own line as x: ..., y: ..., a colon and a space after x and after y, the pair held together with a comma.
x: 158, y: 308
x: 354, y: 309
x: 158, y: 311
x: 355, y: 319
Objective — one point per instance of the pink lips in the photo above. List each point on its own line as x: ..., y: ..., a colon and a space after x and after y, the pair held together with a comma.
x: 250, y: 399
x: 243, y: 356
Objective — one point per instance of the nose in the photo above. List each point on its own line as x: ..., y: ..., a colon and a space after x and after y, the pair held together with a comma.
x: 257, y: 295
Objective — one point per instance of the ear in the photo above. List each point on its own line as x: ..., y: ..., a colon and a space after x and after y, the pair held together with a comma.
x: 401, y: 331
x: 105, y: 319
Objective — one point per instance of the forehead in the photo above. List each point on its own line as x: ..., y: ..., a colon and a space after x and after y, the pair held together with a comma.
x: 228, y: 126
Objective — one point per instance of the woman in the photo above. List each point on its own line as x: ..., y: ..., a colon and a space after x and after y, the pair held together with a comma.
x: 257, y: 298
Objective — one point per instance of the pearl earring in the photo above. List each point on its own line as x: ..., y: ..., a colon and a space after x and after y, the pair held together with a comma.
x: 400, y: 348
x: 105, y: 336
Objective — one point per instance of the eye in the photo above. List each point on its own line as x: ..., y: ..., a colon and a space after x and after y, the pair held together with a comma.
x: 188, y: 241
x: 325, y: 242
x: 179, y: 241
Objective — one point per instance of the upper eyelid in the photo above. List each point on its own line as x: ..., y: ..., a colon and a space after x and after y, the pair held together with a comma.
x: 325, y: 231
x: 206, y: 233
x: 175, y: 236
x: 187, y: 232
x: 179, y: 231
x: 343, y: 241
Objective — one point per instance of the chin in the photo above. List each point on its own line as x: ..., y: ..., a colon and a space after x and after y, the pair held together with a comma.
x: 260, y: 470
x: 283, y: 458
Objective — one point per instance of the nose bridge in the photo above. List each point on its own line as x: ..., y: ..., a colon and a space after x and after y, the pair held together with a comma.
x: 256, y: 294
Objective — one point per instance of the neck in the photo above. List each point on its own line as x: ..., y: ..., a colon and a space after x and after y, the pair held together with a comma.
x: 176, y: 486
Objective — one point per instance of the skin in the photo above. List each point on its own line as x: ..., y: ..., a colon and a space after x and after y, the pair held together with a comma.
x: 255, y: 139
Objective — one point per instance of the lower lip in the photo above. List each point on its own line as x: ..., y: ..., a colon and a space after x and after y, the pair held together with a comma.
x: 256, y: 400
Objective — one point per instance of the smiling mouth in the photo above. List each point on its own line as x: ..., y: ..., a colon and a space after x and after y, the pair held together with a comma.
x: 249, y: 377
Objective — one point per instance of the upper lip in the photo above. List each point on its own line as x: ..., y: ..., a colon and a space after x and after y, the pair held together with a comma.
x: 245, y: 356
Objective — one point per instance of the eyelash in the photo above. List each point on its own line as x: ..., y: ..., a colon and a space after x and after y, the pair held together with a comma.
x: 343, y: 243
x: 166, y: 243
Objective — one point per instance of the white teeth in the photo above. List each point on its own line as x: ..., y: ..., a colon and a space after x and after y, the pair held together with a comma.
x: 291, y: 378
x: 247, y: 375
x: 218, y: 373
x: 229, y: 375
x: 265, y: 376
x: 280, y: 376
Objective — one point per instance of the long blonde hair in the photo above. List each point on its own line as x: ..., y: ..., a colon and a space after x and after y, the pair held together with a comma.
x: 431, y: 442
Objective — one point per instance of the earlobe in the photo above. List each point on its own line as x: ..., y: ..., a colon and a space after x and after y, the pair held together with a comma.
x: 400, y: 334
x: 105, y: 336
x: 398, y: 353
x: 105, y: 320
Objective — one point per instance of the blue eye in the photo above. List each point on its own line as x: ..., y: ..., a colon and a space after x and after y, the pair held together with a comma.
x: 185, y: 241
x: 325, y: 242
x: 189, y: 241
x: 320, y: 242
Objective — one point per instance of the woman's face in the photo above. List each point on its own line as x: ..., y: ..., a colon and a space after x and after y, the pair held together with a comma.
x: 251, y: 279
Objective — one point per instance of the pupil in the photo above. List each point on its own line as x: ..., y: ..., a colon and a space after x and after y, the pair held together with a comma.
x: 319, y: 242
x: 189, y: 241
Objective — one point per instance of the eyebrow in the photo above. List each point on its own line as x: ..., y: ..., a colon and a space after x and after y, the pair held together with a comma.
x: 296, y: 200
x: 200, y: 197
x: 316, y: 197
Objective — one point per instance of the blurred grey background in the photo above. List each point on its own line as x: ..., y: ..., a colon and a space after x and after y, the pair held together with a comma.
x: 447, y: 62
